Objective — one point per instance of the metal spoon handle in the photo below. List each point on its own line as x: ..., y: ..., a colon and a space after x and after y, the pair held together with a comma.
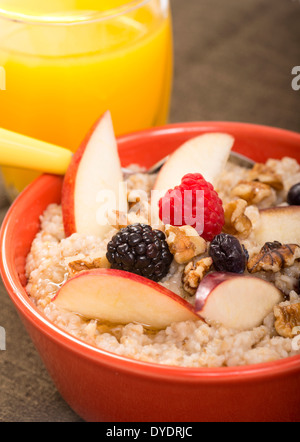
x: 235, y: 158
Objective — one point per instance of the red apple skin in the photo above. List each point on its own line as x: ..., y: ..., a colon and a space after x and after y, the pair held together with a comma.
x: 206, y: 286
x: 168, y: 306
x: 110, y: 273
x: 68, y: 189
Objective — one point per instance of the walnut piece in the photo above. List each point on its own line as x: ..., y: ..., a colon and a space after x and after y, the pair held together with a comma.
x: 138, y: 200
x: 236, y: 222
x: 120, y: 220
x: 184, y: 243
x: 80, y: 262
x: 274, y: 256
x: 193, y: 274
x: 252, y: 191
x: 287, y: 320
x: 265, y: 174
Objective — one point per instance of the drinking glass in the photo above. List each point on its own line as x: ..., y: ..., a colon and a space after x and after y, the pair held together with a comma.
x: 66, y: 62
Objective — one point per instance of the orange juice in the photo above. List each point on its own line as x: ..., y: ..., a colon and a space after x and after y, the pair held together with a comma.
x: 68, y: 61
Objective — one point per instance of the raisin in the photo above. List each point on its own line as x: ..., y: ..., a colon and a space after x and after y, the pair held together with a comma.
x: 228, y: 254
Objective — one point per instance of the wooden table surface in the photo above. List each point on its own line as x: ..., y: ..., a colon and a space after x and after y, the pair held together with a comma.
x: 233, y: 62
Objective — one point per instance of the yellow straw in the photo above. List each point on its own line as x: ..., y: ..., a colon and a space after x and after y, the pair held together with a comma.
x: 27, y: 153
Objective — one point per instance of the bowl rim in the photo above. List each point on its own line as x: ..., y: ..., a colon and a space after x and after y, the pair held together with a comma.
x: 169, y: 373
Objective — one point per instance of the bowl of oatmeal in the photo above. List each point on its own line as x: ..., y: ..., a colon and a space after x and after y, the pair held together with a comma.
x: 177, y: 359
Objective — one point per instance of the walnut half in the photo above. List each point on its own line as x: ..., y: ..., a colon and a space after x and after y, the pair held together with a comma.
x: 265, y: 174
x: 193, y: 274
x: 287, y: 320
x: 274, y: 256
x: 236, y: 222
x: 253, y: 192
x: 184, y: 243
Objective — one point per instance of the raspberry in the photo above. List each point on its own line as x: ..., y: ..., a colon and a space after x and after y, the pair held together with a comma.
x: 185, y: 205
x: 141, y: 250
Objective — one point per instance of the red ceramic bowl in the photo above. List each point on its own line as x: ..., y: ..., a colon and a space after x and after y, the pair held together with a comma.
x: 101, y: 386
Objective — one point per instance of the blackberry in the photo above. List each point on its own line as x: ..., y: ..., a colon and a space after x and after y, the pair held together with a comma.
x: 227, y: 254
x: 141, y: 250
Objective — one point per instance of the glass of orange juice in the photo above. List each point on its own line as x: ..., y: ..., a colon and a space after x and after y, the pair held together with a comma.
x: 68, y: 61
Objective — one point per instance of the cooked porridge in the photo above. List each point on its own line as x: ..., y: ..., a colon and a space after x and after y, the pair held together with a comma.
x: 54, y: 259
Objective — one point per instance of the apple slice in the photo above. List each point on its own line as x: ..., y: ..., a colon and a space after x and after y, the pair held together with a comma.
x: 92, y: 183
x: 121, y: 298
x: 236, y: 301
x: 206, y: 154
x: 279, y: 224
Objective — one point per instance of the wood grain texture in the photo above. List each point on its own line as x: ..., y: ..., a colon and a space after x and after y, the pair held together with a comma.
x: 233, y: 62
